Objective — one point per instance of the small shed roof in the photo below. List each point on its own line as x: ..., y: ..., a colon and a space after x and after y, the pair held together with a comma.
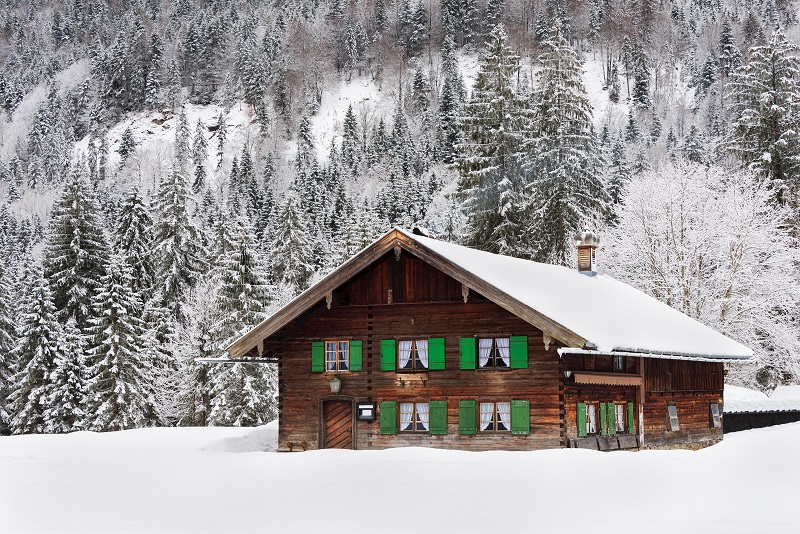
x: 581, y: 311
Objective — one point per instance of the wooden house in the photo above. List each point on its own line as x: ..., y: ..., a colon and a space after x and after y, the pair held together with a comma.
x: 419, y: 342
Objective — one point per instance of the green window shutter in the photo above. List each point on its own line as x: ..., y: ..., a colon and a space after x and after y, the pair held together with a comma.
x: 438, y: 417
x: 519, y: 352
x: 612, y: 419
x: 581, y: 419
x: 388, y: 415
x: 355, y: 355
x: 520, y: 417
x: 631, y: 423
x: 388, y: 353
x: 603, y: 419
x: 466, y: 417
x: 436, y: 353
x: 317, y: 356
x: 467, y: 348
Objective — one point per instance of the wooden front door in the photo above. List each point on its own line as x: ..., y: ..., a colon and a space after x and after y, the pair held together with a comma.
x: 338, y: 420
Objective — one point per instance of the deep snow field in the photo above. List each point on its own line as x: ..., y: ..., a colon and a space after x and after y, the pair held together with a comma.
x: 228, y: 480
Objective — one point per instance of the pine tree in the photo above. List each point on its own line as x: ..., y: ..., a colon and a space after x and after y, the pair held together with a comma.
x: 68, y: 386
x: 177, y: 244
x: 133, y: 240
x: 127, y: 145
x: 36, y: 354
x: 221, y: 136
x: 76, y: 250
x: 242, y: 395
x: 618, y: 173
x: 199, y: 157
x: 291, y: 256
x: 121, y: 388
x: 730, y: 58
x: 492, y: 129
x: 765, y: 108
x: 7, y: 342
x: 562, y: 156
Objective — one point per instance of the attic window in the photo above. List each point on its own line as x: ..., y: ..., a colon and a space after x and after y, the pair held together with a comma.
x: 672, y: 418
x: 494, y: 353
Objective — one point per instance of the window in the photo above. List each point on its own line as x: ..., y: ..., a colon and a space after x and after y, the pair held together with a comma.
x: 412, y: 354
x: 414, y: 417
x: 495, y: 416
x: 337, y: 355
x: 672, y: 418
x: 494, y: 353
x: 620, y: 364
x: 716, y: 410
x: 591, y: 419
x: 619, y: 416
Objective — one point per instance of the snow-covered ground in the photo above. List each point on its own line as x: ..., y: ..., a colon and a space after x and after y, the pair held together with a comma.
x: 219, y: 480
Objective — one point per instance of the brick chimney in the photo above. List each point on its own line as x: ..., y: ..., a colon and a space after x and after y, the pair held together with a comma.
x: 587, y: 242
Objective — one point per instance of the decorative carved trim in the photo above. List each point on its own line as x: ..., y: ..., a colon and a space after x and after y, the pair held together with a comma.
x: 389, y: 296
x: 260, y: 348
x: 397, y: 250
x: 465, y: 292
x: 329, y: 299
x: 547, y: 340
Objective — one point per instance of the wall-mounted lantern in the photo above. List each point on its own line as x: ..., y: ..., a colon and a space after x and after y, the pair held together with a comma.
x: 336, y: 385
x: 567, y: 373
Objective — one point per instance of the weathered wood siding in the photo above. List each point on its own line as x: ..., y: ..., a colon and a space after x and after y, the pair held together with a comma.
x: 540, y: 383
x: 692, y: 387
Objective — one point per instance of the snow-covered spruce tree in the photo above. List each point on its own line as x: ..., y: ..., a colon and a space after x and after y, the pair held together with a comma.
x: 68, y: 388
x: 765, y: 110
x: 133, y: 240
x: 242, y: 394
x: 562, y: 157
x: 8, y: 340
x: 710, y: 243
x: 76, y: 250
x: 121, y: 374
x: 291, y: 254
x: 39, y: 336
x: 177, y: 244
x: 199, y: 157
x: 492, y: 124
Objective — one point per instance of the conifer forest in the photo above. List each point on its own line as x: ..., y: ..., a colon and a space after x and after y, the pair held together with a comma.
x: 172, y: 172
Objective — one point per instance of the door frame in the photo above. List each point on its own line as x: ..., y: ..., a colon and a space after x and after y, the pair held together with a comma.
x: 321, y: 423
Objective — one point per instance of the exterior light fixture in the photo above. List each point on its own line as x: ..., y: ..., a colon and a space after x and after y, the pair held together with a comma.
x: 567, y: 373
x: 336, y: 385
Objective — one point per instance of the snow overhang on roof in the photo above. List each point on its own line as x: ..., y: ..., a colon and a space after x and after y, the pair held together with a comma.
x: 580, y: 311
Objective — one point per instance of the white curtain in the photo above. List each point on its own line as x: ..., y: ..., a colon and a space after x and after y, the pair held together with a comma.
x: 423, y: 415
x: 405, y: 353
x: 503, y: 416
x: 620, y: 409
x: 591, y: 419
x: 487, y: 414
x: 344, y: 355
x: 330, y: 356
x: 503, y: 345
x: 422, y: 351
x: 484, y: 351
x: 406, y: 416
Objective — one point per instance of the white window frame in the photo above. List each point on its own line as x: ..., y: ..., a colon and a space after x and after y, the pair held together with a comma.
x: 341, y: 355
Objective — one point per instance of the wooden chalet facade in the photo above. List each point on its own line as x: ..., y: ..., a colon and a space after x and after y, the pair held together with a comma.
x: 437, y: 345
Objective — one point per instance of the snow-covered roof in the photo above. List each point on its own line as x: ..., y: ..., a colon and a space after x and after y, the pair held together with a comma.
x: 739, y: 399
x: 596, y: 312
x: 607, y: 313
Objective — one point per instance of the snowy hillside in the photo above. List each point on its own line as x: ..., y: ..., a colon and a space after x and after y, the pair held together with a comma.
x: 213, y: 480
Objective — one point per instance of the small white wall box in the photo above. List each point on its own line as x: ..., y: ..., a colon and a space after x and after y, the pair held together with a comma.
x: 365, y: 411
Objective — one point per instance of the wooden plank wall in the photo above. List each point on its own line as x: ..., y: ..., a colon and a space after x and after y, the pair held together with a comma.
x: 541, y: 383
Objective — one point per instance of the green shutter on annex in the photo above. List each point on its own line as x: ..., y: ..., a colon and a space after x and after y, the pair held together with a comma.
x: 355, y: 354
x: 317, y: 356
x: 603, y: 419
x: 466, y: 417
x: 520, y: 417
x: 631, y: 424
x: 467, y: 348
x: 388, y: 416
x: 388, y: 353
x: 438, y: 417
x: 519, y: 352
x: 611, y: 411
x: 581, y: 419
x: 436, y: 353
